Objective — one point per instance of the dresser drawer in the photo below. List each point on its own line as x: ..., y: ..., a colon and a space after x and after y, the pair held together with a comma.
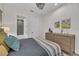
x: 61, y: 38
x: 48, y: 36
x: 62, y: 41
x: 65, y: 48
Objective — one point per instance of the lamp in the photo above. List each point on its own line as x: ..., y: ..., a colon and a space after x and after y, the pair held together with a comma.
x: 6, y: 29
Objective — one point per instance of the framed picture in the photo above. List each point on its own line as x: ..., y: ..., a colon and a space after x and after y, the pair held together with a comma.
x: 66, y: 24
x: 57, y: 24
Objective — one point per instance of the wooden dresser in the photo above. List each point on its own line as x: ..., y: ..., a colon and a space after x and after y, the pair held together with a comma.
x: 66, y: 41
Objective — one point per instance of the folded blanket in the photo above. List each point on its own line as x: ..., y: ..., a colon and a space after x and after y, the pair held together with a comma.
x: 3, y: 51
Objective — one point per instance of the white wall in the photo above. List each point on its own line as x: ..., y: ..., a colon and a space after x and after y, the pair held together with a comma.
x: 67, y: 11
x: 34, y: 26
x: 1, y: 6
x: 32, y: 21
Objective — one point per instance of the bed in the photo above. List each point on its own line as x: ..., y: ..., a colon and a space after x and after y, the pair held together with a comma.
x: 35, y: 47
x: 29, y: 47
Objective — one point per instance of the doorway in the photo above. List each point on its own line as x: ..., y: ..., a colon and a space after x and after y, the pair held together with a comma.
x: 20, y: 27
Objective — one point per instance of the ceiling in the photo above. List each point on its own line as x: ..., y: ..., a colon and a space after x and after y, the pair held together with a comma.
x: 31, y: 7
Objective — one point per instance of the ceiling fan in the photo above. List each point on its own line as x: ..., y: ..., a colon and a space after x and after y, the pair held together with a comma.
x: 40, y: 5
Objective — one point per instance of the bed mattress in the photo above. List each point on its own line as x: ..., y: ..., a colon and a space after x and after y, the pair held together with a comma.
x: 29, y: 47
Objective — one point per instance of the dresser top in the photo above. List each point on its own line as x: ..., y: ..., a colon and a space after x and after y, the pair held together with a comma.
x: 63, y: 34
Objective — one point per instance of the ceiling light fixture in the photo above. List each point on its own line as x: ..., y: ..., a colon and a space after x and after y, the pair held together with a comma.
x: 40, y: 5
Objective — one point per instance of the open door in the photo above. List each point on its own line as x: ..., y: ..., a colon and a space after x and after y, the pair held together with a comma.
x: 20, y: 27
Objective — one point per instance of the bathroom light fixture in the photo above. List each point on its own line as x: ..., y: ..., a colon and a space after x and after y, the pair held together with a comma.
x: 40, y: 5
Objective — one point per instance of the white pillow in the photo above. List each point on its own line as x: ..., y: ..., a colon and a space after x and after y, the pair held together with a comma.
x: 12, y: 34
